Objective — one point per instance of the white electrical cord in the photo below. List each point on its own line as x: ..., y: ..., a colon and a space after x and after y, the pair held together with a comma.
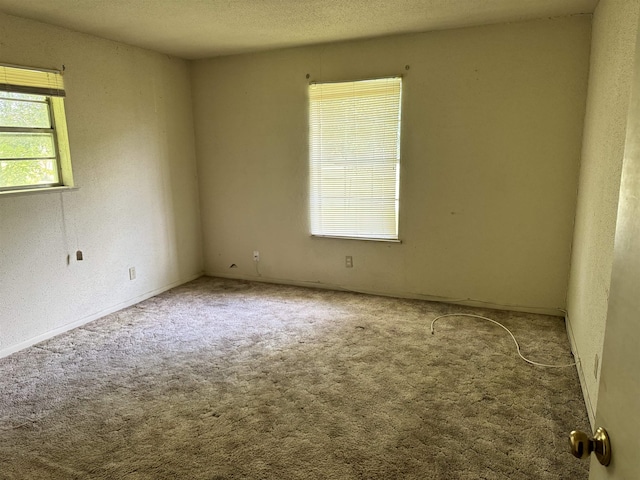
x: 508, y: 331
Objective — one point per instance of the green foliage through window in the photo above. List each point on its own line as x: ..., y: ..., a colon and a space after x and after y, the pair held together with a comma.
x: 27, y: 141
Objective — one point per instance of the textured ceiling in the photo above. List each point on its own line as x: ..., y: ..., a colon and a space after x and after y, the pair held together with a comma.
x: 206, y: 28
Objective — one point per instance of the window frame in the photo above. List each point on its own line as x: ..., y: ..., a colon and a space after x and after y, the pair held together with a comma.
x: 354, y: 234
x: 54, y: 98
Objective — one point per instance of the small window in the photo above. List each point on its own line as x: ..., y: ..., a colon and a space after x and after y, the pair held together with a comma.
x: 354, y: 137
x: 34, y: 146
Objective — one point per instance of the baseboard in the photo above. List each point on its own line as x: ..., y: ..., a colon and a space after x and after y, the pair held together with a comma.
x: 557, y: 312
x: 90, y: 318
x: 581, y: 375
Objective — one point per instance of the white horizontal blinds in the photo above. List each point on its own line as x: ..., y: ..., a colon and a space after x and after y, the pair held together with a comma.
x: 354, y: 158
x: 36, y: 82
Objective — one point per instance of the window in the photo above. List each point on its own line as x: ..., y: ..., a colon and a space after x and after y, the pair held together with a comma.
x: 354, y: 142
x: 34, y: 147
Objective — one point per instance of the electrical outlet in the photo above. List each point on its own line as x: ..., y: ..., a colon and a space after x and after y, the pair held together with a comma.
x: 256, y: 256
x: 132, y: 273
x: 348, y: 261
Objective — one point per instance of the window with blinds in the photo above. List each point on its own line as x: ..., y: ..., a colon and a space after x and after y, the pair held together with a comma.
x: 354, y: 136
x: 34, y: 146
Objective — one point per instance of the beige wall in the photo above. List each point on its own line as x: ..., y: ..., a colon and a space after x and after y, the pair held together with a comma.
x: 131, y: 134
x: 492, y: 130
x: 615, y: 25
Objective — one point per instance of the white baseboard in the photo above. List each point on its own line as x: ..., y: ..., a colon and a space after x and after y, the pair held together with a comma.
x: 557, y: 312
x: 581, y: 375
x: 90, y: 318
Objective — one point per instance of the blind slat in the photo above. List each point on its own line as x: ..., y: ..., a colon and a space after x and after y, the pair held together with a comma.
x: 35, y: 82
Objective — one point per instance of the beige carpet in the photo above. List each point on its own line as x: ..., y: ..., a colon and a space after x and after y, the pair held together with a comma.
x: 222, y: 379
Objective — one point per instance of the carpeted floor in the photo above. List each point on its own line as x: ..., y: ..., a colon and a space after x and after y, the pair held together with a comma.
x: 223, y: 379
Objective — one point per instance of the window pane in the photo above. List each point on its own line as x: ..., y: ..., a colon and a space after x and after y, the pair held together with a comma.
x: 26, y: 145
x: 27, y: 172
x: 24, y: 113
x: 34, y: 148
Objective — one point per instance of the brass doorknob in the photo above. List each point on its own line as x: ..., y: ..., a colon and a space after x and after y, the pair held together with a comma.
x: 582, y: 445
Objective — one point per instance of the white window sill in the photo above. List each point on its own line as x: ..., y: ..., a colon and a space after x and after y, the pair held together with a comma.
x: 34, y: 191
